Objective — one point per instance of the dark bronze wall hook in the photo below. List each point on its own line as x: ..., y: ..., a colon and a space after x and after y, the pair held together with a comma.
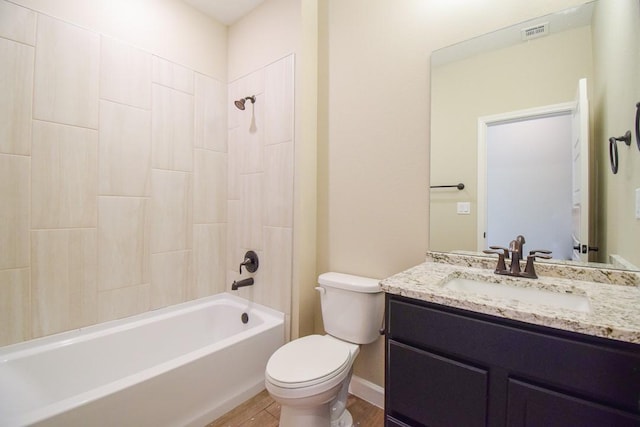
x: 613, y: 149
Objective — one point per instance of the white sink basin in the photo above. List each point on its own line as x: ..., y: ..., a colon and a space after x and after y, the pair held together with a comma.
x: 526, y: 295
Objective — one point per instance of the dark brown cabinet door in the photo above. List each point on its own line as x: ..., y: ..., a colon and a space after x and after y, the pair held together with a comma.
x: 529, y: 406
x: 435, y: 391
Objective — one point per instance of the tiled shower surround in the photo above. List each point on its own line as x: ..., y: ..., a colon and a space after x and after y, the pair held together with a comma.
x: 260, y: 188
x: 123, y: 187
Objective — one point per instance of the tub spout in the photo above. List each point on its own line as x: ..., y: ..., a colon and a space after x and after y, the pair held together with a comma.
x: 241, y: 283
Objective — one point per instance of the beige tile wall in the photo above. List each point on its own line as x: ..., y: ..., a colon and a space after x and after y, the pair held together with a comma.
x: 64, y: 180
x: 66, y: 74
x: 119, y: 192
x: 260, y: 182
x: 14, y: 211
x: 124, y: 150
x: 16, y: 77
x: 113, y: 179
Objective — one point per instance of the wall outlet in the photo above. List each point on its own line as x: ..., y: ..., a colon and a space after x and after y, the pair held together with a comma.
x: 637, y: 203
x: 464, y: 208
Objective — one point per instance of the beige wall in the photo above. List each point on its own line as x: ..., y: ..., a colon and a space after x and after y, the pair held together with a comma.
x: 541, y: 72
x: 311, y: 113
x: 167, y: 28
x: 616, y: 28
x: 268, y: 33
x: 373, y: 174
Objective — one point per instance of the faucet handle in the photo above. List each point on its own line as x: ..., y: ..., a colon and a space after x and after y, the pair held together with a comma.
x: 529, y: 270
x: 250, y: 262
x: 502, y: 253
x: 503, y: 249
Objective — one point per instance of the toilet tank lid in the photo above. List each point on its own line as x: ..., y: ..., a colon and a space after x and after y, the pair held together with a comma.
x: 349, y: 282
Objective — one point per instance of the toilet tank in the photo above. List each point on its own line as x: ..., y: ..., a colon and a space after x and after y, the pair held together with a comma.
x: 352, y: 307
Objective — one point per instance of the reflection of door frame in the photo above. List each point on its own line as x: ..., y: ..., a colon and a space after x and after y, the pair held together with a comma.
x: 483, y: 123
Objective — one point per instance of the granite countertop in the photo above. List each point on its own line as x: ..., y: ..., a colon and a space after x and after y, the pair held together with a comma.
x: 614, y: 295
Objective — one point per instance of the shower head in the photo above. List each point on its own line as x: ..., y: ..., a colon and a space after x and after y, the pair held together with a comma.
x: 240, y: 102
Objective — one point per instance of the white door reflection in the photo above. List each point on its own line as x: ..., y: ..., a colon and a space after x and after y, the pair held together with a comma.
x: 529, y: 183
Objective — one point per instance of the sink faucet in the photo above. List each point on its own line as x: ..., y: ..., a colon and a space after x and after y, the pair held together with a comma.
x: 520, y: 245
x: 516, y: 252
x: 515, y: 247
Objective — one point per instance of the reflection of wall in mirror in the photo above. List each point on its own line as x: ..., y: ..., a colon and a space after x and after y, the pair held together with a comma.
x: 540, y: 72
x: 616, y: 33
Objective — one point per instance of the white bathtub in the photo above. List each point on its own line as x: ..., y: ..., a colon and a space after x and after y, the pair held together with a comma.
x: 183, y: 365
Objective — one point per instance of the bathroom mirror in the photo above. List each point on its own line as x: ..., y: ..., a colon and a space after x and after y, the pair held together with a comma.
x: 529, y: 66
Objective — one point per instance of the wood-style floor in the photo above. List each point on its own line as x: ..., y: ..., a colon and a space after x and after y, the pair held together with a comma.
x: 262, y: 411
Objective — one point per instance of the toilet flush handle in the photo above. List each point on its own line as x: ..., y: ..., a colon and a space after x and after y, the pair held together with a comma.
x: 320, y: 289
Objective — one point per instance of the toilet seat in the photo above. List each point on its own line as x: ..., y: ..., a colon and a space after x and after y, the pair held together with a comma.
x: 308, y: 361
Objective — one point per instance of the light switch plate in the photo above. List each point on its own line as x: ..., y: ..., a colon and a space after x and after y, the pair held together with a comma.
x: 637, y: 203
x: 464, y: 208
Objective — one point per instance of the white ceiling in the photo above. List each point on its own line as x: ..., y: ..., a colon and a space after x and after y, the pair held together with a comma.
x: 225, y: 11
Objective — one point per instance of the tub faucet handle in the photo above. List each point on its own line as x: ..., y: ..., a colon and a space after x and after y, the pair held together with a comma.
x: 250, y: 262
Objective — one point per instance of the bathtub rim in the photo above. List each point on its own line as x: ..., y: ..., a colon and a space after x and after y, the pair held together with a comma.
x: 60, y: 339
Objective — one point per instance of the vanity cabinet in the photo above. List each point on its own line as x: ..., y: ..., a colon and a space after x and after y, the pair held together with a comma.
x: 452, y: 367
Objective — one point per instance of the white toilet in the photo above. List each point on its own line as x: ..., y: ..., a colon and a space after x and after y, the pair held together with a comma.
x: 310, y: 376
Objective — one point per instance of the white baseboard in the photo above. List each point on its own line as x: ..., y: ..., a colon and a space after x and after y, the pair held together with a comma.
x: 368, y: 391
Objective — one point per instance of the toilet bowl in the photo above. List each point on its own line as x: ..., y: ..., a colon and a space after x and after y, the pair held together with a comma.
x: 305, y: 377
x: 310, y: 376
